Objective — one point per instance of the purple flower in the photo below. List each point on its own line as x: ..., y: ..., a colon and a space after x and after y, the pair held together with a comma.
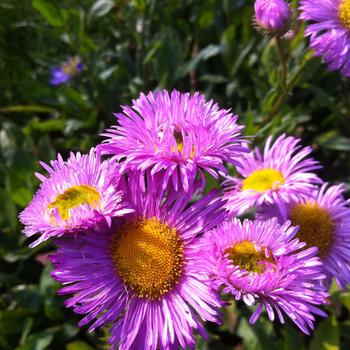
x: 324, y: 221
x: 273, y: 17
x: 260, y: 262
x: 78, y: 193
x: 277, y: 176
x: 180, y: 134
x: 329, y: 31
x: 142, y: 277
x: 64, y: 73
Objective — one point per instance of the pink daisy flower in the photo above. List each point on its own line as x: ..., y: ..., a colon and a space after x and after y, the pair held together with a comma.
x: 143, y: 277
x: 260, y: 263
x: 324, y: 222
x: 77, y: 193
x: 180, y: 134
x: 282, y: 173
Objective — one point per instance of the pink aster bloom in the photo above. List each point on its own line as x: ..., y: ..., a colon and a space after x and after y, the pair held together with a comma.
x: 324, y: 221
x: 77, y: 193
x: 260, y: 263
x: 142, y: 277
x: 329, y: 31
x: 283, y: 172
x: 180, y: 134
x: 273, y: 17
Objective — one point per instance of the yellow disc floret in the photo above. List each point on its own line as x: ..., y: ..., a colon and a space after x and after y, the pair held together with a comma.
x: 245, y: 255
x: 73, y: 197
x: 179, y: 140
x: 316, y: 226
x: 263, y: 180
x: 148, y: 257
x: 180, y: 143
x: 71, y: 66
x: 344, y: 13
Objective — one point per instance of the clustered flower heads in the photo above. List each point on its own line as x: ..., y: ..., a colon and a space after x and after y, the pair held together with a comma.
x: 327, y: 26
x: 142, y: 250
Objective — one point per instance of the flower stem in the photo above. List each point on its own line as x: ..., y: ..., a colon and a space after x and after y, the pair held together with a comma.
x: 282, y: 56
x: 286, y: 92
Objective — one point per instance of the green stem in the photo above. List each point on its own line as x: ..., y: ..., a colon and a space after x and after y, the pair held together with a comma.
x: 282, y: 56
x: 285, y: 94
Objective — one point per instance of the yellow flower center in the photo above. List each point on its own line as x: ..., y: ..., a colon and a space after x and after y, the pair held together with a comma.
x: 316, y: 226
x: 180, y: 143
x: 245, y: 255
x: 179, y: 140
x: 73, y: 197
x: 263, y: 180
x: 71, y: 66
x: 148, y: 256
x: 344, y: 13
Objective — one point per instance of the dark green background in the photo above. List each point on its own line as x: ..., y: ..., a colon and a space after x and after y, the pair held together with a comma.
x: 128, y: 47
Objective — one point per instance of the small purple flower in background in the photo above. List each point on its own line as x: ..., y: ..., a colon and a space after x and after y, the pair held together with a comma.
x: 68, y: 69
x: 80, y: 192
x: 280, y: 174
x: 143, y: 278
x: 260, y: 262
x: 324, y: 222
x: 179, y: 134
x: 329, y: 31
x: 272, y: 17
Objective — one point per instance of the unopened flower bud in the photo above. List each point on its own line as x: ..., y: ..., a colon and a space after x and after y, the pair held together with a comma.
x: 272, y: 17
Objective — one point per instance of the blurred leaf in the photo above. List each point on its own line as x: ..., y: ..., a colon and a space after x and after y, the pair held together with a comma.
x: 255, y: 337
x: 21, y: 196
x: 13, y: 321
x: 203, y: 55
x: 26, y: 330
x: 326, y: 335
x: 49, y: 11
x: 47, y: 285
x: 78, y: 345
x: 27, y: 109
x: 39, y: 341
x: 100, y: 8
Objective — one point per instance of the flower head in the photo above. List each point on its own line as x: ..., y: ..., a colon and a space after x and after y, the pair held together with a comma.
x: 142, y: 277
x: 78, y: 193
x: 324, y: 222
x: 279, y: 175
x: 180, y: 134
x: 64, y: 73
x: 260, y: 262
x: 273, y: 17
x: 329, y: 31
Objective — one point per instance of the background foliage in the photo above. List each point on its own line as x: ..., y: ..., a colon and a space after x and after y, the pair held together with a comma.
x: 128, y: 47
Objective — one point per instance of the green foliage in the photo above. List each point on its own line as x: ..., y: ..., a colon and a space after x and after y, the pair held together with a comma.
x: 128, y: 47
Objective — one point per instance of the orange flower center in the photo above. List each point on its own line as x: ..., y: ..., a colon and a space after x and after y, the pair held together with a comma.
x: 316, y: 226
x: 344, y: 13
x: 148, y: 256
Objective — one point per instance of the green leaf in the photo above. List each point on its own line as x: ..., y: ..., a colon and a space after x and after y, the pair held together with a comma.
x: 210, y: 51
x: 255, y: 337
x: 49, y: 11
x: 21, y: 196
x: 78, y: 345
x: 326, y: 335
x: 28, y: 109
x: 100, y: 8
x: 39, y: 341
